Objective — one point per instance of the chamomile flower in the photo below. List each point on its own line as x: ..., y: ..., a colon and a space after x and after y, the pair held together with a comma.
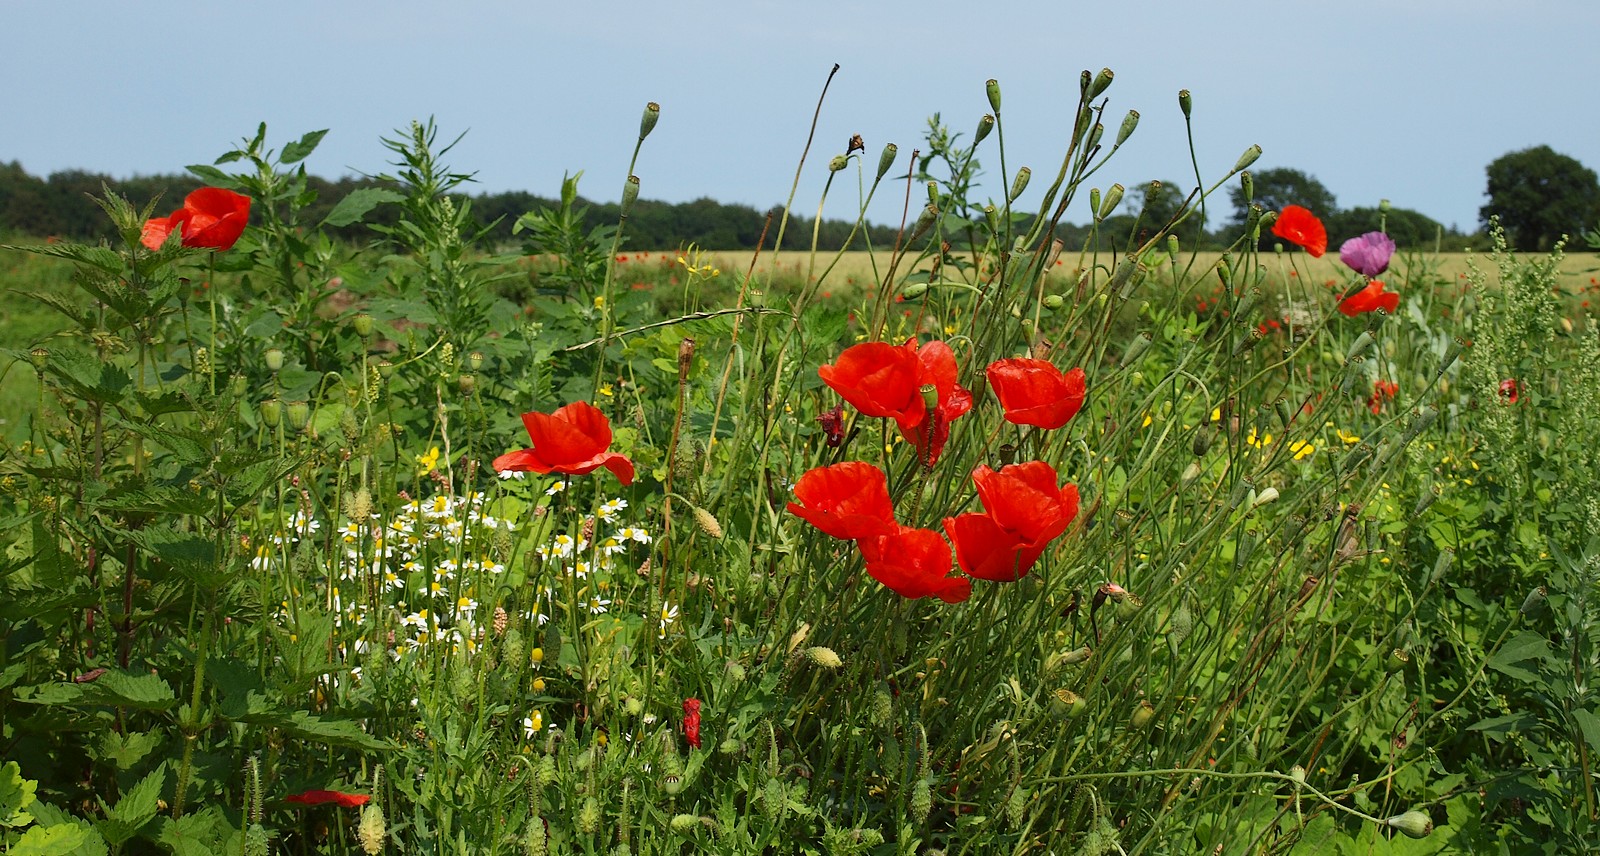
x: 598, y: 605
x: 555, y: 488
x: 611, y: 508
x: 532, y: 724
x: 512, y: 474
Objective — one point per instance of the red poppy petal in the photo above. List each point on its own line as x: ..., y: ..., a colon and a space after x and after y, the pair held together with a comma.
x: 520, y: 461
x: 876, y: 378
x: 914, y: 563
x: 558, y: 441
x: 986, y: 551
x: 846, y: 500
x: 156, y: 230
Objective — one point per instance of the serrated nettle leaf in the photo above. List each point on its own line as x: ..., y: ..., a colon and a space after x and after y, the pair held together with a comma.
x: 113, y: 688
x: 126, y: 751
x: 137, y: 807
x: 16, y: 794
x: 60, y: 840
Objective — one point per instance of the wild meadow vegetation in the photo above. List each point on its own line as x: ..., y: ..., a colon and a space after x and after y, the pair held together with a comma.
x: 993, y: 543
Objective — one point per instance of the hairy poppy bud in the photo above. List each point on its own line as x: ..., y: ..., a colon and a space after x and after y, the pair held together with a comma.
x: 886, y: 160
x: 371, y: 830
x: 985, y: 125
x: 992, y: 87
x: 707, y: 523
x: 1185, y: 103
x: 827, y: 658
x: 647, y: 122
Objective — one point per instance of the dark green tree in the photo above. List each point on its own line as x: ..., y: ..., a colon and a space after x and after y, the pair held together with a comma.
x: 1408, y: 228
x: 1540, y: 195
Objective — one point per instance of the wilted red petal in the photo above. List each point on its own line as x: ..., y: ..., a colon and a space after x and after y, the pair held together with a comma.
x: 1035, y: 392
x: 1298, y: 225
x: 323, y: 797
x: 847, y: 500
x: 914, y: 563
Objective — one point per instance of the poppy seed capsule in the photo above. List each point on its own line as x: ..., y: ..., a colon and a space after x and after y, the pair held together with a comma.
x: 1190, y: 473
x: 992, y: 87
x: 298, y: 413
x: 886, y: 160
x: 1185, y: 103
x: 475, y: 360
x: 1142, y: 715
x: 985, y: 125
x: 1534, y: 601
x: 1129, y: 123
x: 1101, y: 82
x: 274, y: 359
x: 466, y: 383
x: 1415, y: 824
x: 647, y: 122
x: 1019, y: 183
x: 1249, y: 157
x: 838, y: 162
x: 362, y: 324
x: 630, y: 194
x: 1398, y: 659
x: 1052, y: 302
x: 271, y: 412
x: 1297, y: 774
x: 1247, y: 184
x: 385, y: 369
x: 1065, y: 702
x: 39, y: 357
x: 1095, y: 133
x: 1112, y: 200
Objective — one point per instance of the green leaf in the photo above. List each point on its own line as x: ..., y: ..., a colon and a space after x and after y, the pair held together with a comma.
x: 62, y: 840
x: 193, y: 834
x: 137, y: 807
x: 357, y: 203
x: 113, y: 688
x: 298, y: 151
x: 1500, y: 726
x: 211, y: 175
x: 16, y: 794
x: 126, y: 751
x: 48, y: 816
x: 1521, y: 648
x: 334, y: 732
x: 1589, y: 724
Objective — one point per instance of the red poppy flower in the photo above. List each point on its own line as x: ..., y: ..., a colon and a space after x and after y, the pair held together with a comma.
x: 885, y: 380
x: 210, y: 217
x: 848, y: 500
x: 691, y: 721
x: 1510, y: 391
x: 914, y: 563
x: 1023, y: 512
x: 1370, y: 298
x: 1035, y: 392
x: 323, y: 797
x: 573, y: 440
x: 1298, y: 225
x: 1382, y: 390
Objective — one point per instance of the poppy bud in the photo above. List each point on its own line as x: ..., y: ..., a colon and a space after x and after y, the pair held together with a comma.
x: 1142, y: 715
x: 914, y: 290
x: 985, y: 125
x: 1398, y: 659
x: 683, y: 823
x: 274, y: 359
x: 1019, y: 183
x: 589, y: 815
x: 371, y: 830
x: 837, y: 163
x: 827, y: 658
x: 1534, y: 601
x: 992, y: 86
x: 707, y: 523
x: 1112, y: 200
x: 1248, y: 158
x: 1266, y: 496
x: 1052, y: 302
x: 647, y: 122
x: 1129, y: 122
x: 1190, y: 473
x: 1185, y: 103
x: 1101, y: 81
x: 886, y: 159
x: 298, y: 413
x: 362, y: 324
x: 1415, y: 824
x: 630, y: 194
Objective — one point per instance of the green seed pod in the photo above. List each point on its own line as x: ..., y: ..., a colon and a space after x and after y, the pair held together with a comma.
x: 826, y: 657
x: 684, y: 823
x: 1383, y: 206
x: 886, y: 160
x: 1052, y: 302
x: 466, y: 383
x: 838, y: 162
x: 1441, y: 565
x: 1136, y: 348
x: 1285, y: 411
x: 647, y: 122
x: 1019, y: 183
x: 1415, y: 824
x: 921, y: 800
x: 1094, y: 199
x: 298, y: 413
x: 985, y: 125
x: 924, y: 221
x: 1361, y: 345
x: 992, y: 87
x: 1534, y: 601
x: 1247, y: 184
x: 1110, y: 203
x: 630, y: 194
x: 1398, y: 659
x: 1185, y: 103
x: 1129, y: 123
x: 361, y: 322
x: 386, y: 369
x: 274, y: 359
x: 1202, y: 440
x: 914, y: 290
x: 1297, y: 773
x: 39, y: 357
x: 1084, y: 79
x: 271, y: 412
x: 1101, y: 81
x: 1142, y: 715
x: 475, y: 361
x: 1249, y: 157
x: 1095, y: 134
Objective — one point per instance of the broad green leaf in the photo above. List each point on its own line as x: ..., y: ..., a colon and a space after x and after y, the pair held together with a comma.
x: 1520, y: 649
x: 137, y: 807
x: 193, y: 834
x: 357, y: 203
x: 113, y: 688
x: 1589, y: 724
x: 298, y: 150
x: 62, y: 840
x: 1500, y: 726
x: 334, y: 732
x: 16, y: 794
x: 126, y: 751
x: 48, y: 816
x: 212, y: 176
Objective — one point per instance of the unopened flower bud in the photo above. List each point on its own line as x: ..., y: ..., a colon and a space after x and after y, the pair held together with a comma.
x: 914, y: 290
x: 371, y: 830
x: 630, y: 194
x: 1185, y: 103
x: 1129, y: 122
x: 362, y: 324
x: 827, y: 658
x: 274, y: 359
x: 1249, y: 157
x: 1415, y: 824
x: 589, y: 815
x: 886, y: 160
x: 707, y: 523
x: 1019, y: 183
x: 1094, y: 199
x: 1441, y: 565
x: 985, y: 125
x: 647, y: 122
x: 684, y: 823
x: 1142, y: 715
x: 1202, y: 440
x: 1101, y: 81
x: 837, y: 163
x: 1052, y: 302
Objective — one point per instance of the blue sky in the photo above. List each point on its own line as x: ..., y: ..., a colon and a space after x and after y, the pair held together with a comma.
x: 1404, y: 99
